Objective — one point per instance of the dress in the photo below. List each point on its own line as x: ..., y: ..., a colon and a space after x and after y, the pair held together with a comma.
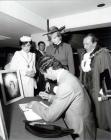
x: 97, y: 78
x: 21, y: 62
x: 71, y: 100
x: 63, y: 54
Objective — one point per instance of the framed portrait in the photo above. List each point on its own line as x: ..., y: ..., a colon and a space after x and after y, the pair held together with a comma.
x: 3, y: 130
x: 11, y: 86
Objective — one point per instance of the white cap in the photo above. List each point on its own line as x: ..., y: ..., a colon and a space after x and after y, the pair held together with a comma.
x: 25, y: 39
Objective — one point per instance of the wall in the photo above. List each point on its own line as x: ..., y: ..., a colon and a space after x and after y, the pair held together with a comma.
x: 39, y: 37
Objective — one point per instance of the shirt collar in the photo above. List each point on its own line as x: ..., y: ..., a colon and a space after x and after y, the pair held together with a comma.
x: 41, y: 52
x: 25, y: 52
x: 59, y: 74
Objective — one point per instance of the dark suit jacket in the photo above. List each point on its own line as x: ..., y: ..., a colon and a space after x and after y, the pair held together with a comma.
x: 39, y: 76
x: 38, y: 55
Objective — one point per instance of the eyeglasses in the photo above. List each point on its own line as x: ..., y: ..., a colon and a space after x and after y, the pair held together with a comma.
x: 27, y: 42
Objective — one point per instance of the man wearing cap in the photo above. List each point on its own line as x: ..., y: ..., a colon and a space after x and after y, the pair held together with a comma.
x: 24, y: 61
x: 61, y: 51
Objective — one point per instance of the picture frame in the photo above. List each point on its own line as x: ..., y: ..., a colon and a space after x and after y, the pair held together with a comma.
x: 3, y: 130
x: 11, y: 86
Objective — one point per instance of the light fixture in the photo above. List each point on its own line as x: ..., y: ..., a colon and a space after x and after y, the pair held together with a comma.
x: 101, y: 5
x: 4, y: 37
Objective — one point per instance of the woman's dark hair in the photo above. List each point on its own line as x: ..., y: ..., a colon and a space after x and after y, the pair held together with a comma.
x: 94, y: 38
x: 23, y: 43
x: 41, y: 42
x: 48, y: 61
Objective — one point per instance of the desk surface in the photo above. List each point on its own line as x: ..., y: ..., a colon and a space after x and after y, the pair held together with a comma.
x: 16, y: 126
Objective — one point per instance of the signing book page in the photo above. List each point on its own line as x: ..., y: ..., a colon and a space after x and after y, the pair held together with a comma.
x: 30, y: 115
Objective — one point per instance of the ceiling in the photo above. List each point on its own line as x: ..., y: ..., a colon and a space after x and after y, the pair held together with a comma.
x: 11, y: 28
x: 58, y: 8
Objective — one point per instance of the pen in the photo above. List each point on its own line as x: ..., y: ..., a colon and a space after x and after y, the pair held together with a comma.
x: 33, y: 123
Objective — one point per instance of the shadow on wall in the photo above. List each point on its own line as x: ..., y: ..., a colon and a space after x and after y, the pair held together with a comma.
x: 4, y: 54
x: 76, y: 38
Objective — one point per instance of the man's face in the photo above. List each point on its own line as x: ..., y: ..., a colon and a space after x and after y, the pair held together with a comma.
x: 55, y: 38
x: 42, y: 47
x: 88, y: 44
x: 49, y: 74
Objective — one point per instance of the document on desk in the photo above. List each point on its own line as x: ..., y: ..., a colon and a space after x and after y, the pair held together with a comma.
x: 29, y: 113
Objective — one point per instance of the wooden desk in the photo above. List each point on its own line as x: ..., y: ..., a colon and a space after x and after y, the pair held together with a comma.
x: 16, y: 127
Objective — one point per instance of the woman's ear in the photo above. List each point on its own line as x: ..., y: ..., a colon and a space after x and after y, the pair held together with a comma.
x: 95, y: 44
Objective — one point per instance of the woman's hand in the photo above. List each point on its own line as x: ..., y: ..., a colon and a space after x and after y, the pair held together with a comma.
x: 30, y: 73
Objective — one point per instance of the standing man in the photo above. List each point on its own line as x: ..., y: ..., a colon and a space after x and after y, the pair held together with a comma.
x: 40, y: 78
x: 96, y: 77
x: 69, y: 99
x: 40, y: 51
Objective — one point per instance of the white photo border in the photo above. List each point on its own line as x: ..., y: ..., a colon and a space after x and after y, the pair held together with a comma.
x: 3, y: 86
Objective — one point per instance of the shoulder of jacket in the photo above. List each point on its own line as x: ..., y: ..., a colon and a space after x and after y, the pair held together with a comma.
x: 17, y: 52
x: 48, y: 47
x: 102, y: 51
x: 66, y: 44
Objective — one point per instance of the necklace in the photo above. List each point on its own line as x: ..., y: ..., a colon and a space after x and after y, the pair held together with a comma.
x: 28, y: 62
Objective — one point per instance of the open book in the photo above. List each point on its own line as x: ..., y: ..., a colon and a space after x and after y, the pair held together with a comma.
x: 30, y: 115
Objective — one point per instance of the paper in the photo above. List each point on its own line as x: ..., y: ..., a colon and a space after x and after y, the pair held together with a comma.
x: 23, y: 107
x: 29, y: 113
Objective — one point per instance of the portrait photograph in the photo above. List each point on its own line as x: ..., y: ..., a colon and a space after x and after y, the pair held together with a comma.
x: 11, y: 86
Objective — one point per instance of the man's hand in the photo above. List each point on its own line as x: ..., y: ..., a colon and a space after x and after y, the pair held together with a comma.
x: 29, y: 105
x: 102, y: 96
x: 44, y: 95
x: 47, y: 86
